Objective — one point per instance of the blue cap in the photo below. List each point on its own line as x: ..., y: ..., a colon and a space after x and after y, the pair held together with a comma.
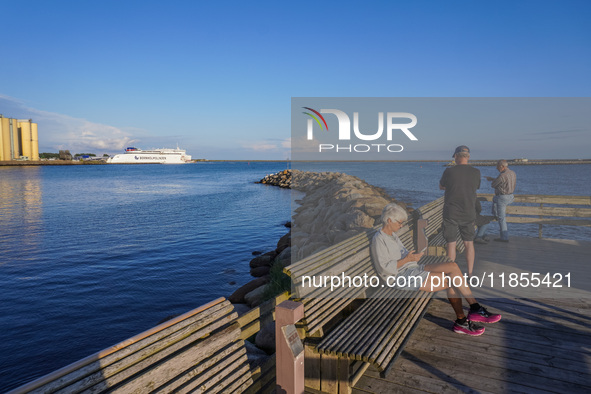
x: 461, y: 149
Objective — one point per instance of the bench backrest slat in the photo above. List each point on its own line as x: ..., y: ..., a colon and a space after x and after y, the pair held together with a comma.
x: 198, y: 375
x: 153, y: 359
x: 315, y: 295
x: 433, y: 213
x: 304, y: 264
x: 158, y: 372
x: 119, y: 366
x: 350, y: 253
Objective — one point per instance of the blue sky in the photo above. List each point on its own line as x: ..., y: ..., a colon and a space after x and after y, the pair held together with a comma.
x: 217, y: 77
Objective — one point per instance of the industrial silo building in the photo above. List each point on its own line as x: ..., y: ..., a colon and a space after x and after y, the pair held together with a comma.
x: 19, y: 139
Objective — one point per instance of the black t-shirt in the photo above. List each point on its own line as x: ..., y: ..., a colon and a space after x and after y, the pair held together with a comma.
x: 461, y: 183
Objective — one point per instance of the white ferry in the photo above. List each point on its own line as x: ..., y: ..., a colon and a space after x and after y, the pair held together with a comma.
x: 134, y: 155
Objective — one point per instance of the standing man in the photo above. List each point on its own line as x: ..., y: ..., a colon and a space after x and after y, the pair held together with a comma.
x: 504, y: 186
x: 460, y: 183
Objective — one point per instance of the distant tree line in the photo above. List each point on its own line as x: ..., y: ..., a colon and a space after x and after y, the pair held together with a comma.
x: 48, y: 155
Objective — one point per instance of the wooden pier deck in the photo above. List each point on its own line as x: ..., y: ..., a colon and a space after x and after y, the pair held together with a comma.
x: 540, y: 345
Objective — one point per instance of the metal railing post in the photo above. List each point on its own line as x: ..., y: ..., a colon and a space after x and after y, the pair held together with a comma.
x: 540, y: 228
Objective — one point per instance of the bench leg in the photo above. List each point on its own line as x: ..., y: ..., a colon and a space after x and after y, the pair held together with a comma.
x: 329, y: 374
x: 335, y: 376
x: 312, y: 364
x: 343, y: 376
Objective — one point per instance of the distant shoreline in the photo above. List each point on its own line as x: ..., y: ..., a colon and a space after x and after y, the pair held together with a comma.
x: 474, y: 162
x: 530, y: 162
x: 20, y: 163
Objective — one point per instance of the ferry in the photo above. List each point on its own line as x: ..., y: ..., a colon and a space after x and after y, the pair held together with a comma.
x: 134, y: 155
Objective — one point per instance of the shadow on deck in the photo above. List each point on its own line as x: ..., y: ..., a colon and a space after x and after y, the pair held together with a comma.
x: 542, y: 344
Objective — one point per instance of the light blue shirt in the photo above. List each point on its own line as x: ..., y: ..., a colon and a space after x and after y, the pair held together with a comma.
x: 386, y: 250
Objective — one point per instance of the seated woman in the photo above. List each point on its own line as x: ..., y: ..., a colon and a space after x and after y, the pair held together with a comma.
x: 391, y: 258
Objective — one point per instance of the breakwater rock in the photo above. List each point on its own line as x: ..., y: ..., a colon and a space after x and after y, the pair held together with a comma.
x: 335, y: 207
x: 257, y: 291
x: 281, y: 179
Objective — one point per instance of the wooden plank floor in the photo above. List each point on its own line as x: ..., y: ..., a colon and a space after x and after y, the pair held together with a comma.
x: 540, y: 345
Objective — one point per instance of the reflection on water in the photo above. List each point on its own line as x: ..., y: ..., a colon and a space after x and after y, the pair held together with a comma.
x: 123, y: 187
x: 21, y: 208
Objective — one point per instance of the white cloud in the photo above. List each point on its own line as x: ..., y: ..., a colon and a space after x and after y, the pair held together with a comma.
x: 59, y: 131
x: 259, y: 146
x: 269, y: 145
x: 303, y: 145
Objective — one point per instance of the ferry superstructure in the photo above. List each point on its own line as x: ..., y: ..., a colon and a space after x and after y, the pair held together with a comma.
x: 134, y: 155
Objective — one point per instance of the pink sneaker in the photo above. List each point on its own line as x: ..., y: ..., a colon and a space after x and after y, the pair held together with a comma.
x: 468, y: 328
x: 484, y: 316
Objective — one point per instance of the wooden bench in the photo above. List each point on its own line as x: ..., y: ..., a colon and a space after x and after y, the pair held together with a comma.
x: 377, y: 331
x: 339, y: 351
x: 351, y: 257
x: 199, y: 351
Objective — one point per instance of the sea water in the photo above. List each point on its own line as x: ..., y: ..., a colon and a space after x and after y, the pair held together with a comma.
x: 92, y: 255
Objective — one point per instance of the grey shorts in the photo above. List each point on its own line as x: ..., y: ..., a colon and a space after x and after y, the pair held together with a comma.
x: 415, y: 277
x: 452, y: 227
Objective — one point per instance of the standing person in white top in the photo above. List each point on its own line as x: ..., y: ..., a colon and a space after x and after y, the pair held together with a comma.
x: 504, y: 186
x: 391, y: 258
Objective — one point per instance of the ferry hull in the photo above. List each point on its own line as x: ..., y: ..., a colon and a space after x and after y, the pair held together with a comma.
x: 164, y: 156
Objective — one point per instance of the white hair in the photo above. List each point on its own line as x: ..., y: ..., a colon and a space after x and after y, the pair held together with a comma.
x: 393, y: 212
x: 502, y: 163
